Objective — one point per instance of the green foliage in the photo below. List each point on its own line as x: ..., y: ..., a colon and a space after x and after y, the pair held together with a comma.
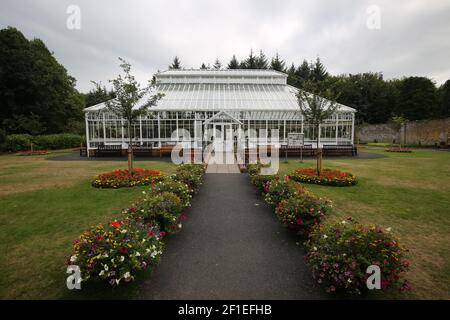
x: 117, y: 252
x: 417, y: 98
x: 191, y: 175
x: 217, y: 65
x: 444, y: 100
x: 58, y: 141
x: 277, y: 63
x: 128, y: 94
x: 36, y: 93
x: 277, y: 190
x: 339, y: 254
x: 163, y: 208
x: 98, y: 95
x: 18, y: 142
x: 22, y: 142
x: 170, y: 185
x: 301, y: 213
x: 176, y: 64
x: 234, y: 63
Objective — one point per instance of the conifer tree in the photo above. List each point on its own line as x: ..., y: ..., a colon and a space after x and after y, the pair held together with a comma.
x: 318, y: 71
x: 234, y: 63
x: 261, y: 61
x: 217, y: 65
x: 176, y: 64
x: 277, y: 64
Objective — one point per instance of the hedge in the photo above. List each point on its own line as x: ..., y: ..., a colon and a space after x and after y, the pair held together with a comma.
x: 22, y: 142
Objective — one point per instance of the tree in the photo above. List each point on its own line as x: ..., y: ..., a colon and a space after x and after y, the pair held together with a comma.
x: 444, y: 100
x: 291, y: 80
x: 303, y: 73
x: 400, y: 122
x: 417, y: 98
x: 37, y: 95
x: 277, y: 64
x: 250, y: 62
x: 126, y: 104
x: 261, y: 61
x: 316, y: 106
x: 203, y: 67
x: 176, y: 64
x: 98, y: 95
x: 217, y: 65
x: 318, y: 71
x: 233, y: 64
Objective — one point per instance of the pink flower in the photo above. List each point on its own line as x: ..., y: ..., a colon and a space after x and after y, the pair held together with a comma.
x: 162, y: 233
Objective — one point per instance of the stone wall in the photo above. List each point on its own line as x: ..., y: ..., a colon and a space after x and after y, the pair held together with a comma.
x: 426, y: 132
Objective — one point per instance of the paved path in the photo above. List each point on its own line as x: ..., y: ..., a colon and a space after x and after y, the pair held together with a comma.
x: 222, y: 168
x: 231, y: 247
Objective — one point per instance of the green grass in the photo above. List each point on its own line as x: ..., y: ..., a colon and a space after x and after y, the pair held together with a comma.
x: 45, y: 205
x: 38, y: 226
x: 411, y: 194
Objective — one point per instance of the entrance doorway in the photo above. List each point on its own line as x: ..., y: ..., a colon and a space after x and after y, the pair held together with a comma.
x: 223, y: 137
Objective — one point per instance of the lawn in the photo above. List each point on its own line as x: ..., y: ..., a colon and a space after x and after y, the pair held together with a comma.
x: 411, y: 194
x: 44, y: 206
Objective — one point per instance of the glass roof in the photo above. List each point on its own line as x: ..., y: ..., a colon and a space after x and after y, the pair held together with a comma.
x: 229, y: 90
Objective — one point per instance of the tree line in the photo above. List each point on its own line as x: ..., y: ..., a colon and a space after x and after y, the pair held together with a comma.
x: 38, y: 96
x: 376, y: 99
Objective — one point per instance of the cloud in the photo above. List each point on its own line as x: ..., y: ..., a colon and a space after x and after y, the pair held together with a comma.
x: 413, y: 38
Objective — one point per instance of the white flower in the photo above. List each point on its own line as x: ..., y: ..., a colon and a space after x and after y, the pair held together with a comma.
x: 143, y: 192
x: 179, y: 225
x: 389, y: 229
x: 73, y: 258
x: 138, y: 254
x: 105, y: 266
x: 147, y: 250
x: 122, y: 258
x: 315, y: 248
x: 126, y: 275
x: 325, y: 236
x: 124, y: 231
x: 349, y: 280
x: 101, y: 273
x: 344, y: 222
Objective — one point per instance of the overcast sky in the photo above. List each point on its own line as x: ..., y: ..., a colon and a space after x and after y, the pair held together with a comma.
x: 413, y: 37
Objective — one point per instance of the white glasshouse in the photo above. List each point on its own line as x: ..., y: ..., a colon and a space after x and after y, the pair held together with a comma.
x: 226, y: 100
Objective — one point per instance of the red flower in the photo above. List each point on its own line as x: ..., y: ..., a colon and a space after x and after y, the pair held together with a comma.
x: 116, y: 224
x: 286, y: 178
x: 99, y: 237
x: 299, y: 221
x: 151, y: 234
x: 162, y: 233
x: 132, y: 210
x: 123, y: 250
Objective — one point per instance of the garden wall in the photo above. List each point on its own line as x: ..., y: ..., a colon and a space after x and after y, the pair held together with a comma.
x: 425, y: 132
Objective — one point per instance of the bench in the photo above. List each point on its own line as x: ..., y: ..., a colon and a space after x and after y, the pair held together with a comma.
x: 142, y: 151
x: 166, y: 149
x: 109, y: 150
x: 339, y: 150
x: 306, y: 150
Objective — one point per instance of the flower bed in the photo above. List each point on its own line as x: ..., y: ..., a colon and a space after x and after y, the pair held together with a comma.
x: 398, y: 149
x: 122, y: 178
x: 32, y: 153
x: 169, y: 184
x: 191, y: 175
x: 340, y: 253
x: 117, y: 252
x: 327, y: 177
x: 301, y: 213
x: 162, y: 209
x: 277, y: 190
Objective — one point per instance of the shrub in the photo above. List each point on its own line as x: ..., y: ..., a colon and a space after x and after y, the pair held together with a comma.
x: 191, y: 175
x: 339, y: 254
x: 163, y: 209
x: 398, y: 149
x: 254, y: 168
x: 18, y: 142
x: 327, y: 177
x: 260, y: 181
x: 32, y: 153
x: 22, y: 142
x: 170, y: 185
x: 116, y: 252
x: 58, y: 141
x: 280, y: 189
x: 302, y: 212
x: 122, y: 178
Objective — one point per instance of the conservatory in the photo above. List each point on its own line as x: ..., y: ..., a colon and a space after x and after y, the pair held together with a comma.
x: 257, y: 104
